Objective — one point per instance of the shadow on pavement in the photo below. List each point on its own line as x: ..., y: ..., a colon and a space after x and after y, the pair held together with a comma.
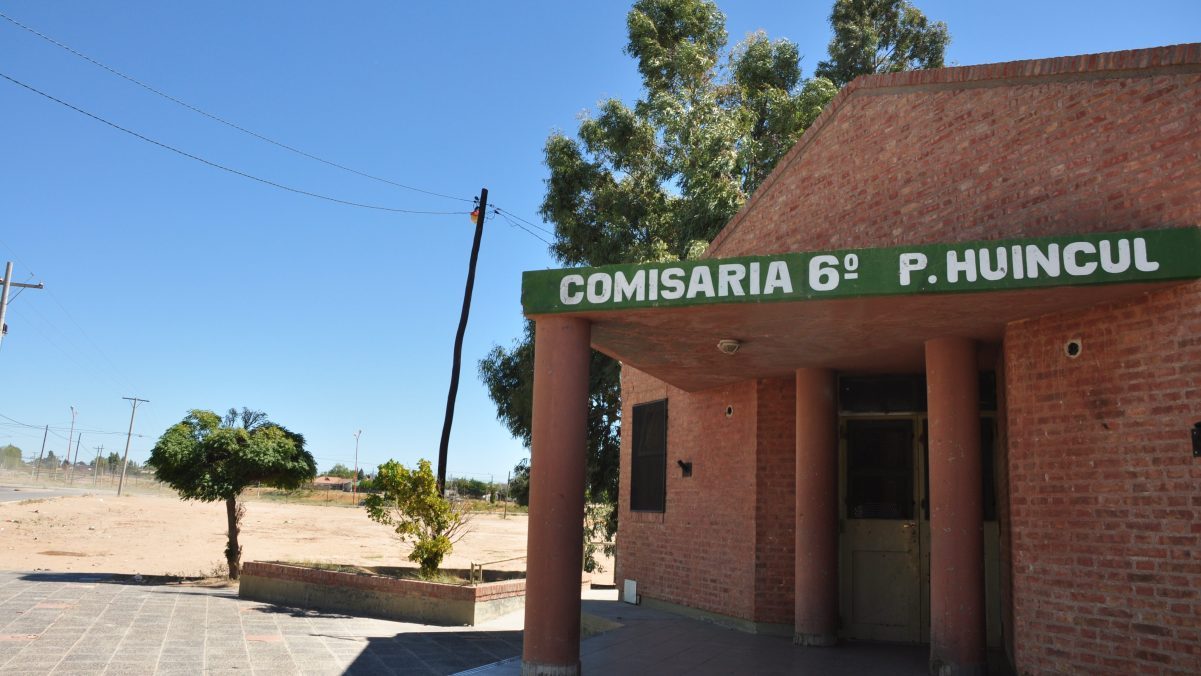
x: 435, y: 653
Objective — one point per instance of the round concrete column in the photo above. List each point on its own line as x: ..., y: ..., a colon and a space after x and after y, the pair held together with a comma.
x: 555, y: 539
x: 956, y: 539
x: 816, y: 611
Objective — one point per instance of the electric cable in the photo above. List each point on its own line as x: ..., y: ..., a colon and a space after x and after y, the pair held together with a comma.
x: 515, y: 224
x: 222, y: 166
x: 221, y: 120
x: 60, y: 428
x: 530, y: 223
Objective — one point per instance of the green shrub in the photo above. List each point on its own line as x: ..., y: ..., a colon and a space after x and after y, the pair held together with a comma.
x: 408, y: 501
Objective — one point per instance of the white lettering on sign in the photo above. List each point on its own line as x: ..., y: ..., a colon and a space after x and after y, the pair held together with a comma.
x: 910, y: 262
x: 777, y: 278
x: 673, y: 283
x: 566, y: 295
x: 600, y: 287
x: 733, y: 280
x: 849, y: 273
x: 1032, y: 261
x: 632, y: 289
x: 700, y: 282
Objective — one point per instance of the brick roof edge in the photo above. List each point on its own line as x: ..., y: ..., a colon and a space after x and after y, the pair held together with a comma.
x: 1127, y: 63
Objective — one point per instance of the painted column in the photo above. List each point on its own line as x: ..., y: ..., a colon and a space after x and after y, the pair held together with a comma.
x: 957, y: 644
x: 816, y: 609
x: 555, y: 540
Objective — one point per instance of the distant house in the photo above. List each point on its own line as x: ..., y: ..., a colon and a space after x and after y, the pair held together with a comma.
x: 331, y: 483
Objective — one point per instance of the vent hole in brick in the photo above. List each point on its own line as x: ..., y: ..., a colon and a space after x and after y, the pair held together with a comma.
x: 1072, y: 348
x: 729, y: 411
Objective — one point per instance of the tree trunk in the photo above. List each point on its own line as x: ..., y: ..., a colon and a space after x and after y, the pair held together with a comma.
x: 233, y: 550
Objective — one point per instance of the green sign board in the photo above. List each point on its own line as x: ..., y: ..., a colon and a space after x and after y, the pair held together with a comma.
x: 1002, y: 265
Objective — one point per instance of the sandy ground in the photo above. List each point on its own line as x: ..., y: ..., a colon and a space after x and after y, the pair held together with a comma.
x: 162, y: 535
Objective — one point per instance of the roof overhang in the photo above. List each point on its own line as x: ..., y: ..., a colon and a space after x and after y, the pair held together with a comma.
x: 864, y: 310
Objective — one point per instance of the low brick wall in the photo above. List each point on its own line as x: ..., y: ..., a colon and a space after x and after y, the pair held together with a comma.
x: 377, y: 596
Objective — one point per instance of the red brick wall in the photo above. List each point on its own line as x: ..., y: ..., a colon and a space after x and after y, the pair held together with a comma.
x: 1104, y: 497
x: 700, y: 551
x: 1104, y: 492
x: 966, y: 156
x: 775, y: 503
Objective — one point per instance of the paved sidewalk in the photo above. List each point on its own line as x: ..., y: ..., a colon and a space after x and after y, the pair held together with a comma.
x: 75, y: 624
x: 662, y: 643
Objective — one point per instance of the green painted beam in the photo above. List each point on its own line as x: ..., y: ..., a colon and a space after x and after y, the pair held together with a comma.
x: 964, y: 267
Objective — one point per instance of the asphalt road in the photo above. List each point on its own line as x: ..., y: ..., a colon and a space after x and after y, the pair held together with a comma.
x: 10, y: 493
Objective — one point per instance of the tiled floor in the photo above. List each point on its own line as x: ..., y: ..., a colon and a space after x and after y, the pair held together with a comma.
x: 661, y: 643
x: 75, y: 624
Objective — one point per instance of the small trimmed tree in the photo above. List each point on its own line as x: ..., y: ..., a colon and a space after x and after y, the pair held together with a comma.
x: 208, y: 458
x: 409, y: 502
x: 341, y: 471
x: 10, y: 456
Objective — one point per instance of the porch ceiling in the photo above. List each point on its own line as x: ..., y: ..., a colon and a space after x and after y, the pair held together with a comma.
x: 876, y: 334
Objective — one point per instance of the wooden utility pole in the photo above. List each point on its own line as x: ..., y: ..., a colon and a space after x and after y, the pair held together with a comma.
x: 71, y: 435
x: 96, y: 466
x: 78, y: 442
x: 480, y: 212
x: 37, y: 469
x: 125, y: 463
x: 8, y: 276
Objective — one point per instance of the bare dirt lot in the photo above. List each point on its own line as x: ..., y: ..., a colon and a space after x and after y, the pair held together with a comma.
x: 162, y: 535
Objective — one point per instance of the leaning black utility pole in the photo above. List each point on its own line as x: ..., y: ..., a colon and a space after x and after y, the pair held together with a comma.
x: 37, y: 469
x: 480, y: 211
x: 7, y: 283
x: 125, y: 463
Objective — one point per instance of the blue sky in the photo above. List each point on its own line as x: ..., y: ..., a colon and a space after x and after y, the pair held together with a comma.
x: 194, y: 288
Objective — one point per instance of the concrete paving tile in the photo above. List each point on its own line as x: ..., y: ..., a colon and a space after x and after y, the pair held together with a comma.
x: 35, y: 661
x: 78, y: 656
x: 176, y: 667
x: 129, y: 669
x: 226, y: 664
x: 83, y: 669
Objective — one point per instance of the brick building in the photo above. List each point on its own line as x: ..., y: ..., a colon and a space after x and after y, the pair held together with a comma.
x: 957, y: 399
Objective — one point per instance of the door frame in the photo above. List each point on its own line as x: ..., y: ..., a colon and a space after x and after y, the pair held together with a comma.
x: 910, y: 528
x: 991, y: 532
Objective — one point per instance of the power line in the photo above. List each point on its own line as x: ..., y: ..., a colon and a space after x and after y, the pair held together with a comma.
x: 515, y: 224
x: 116, y: 371
x: 223, y: 121
x: 222, y: 166
x: 54, y: 297
x: 52, y: 428
x: 259, y: 136
x: 530, y: 223
x: 83, y: 363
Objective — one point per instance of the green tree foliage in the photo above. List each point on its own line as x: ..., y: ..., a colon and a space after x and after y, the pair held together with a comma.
x: 409, y: 502
x: 341, y: 471
x: 519, y: 484
x: 209, y: 458
x: 881, y: 36
x: 10, y: 457
x: 113, y: 460
x: 469, y: 488
x: 658, y: 179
